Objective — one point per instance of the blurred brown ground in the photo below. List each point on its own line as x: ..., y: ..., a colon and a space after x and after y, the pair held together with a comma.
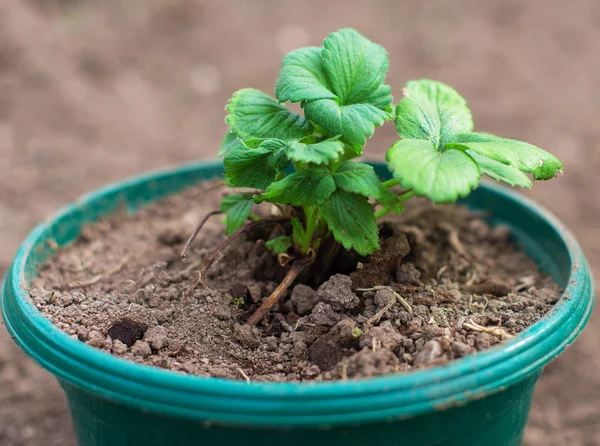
x: 91, y: 92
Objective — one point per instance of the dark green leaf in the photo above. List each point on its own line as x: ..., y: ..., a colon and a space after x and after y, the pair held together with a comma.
x: 525, y: 157
x: 351, y: 219
x: 278, y: 160
x: 236, y: 208
x: 432, y: 111
x: 246, y: 167
x: 361, y: 178
x: 322, y: 152
x: 253, y: 114
x: 307, y: 187
x: 280, y: 244
x: 440, y: 176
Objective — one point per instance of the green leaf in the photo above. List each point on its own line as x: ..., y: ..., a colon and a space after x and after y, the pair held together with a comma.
x: 356, y: 69
x: 278, y: 159
x: 302, y: 77
x: 229, y: 142
x: 280, y: 244
x: 341, y: 86
x: 318, y: 153
x: 253, y: 114
x: 440, y: 176
x: 355, y: 123
x: 351, y: 219
x: 521, y: 155
x: 501, y: 172
x: 433, y: 111
x: 245, y: 167
x: 236, y: 208
x: 361, y: 178
x: 307, y: 187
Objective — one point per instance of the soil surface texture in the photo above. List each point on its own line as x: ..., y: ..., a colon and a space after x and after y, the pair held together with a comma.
x: 444, y: 285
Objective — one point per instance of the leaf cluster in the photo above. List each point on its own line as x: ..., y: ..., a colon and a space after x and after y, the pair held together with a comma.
x: 306, y: 165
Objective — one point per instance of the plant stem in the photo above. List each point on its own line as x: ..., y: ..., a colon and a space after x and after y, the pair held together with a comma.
x: 195, y: 233
x: 296, y: 268
x: 390, y: 183
x: 312, y: 222
x: 403, y: 198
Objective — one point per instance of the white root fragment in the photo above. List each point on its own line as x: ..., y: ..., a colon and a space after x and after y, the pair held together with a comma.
x: 241, y: 372
x: 495, y: 331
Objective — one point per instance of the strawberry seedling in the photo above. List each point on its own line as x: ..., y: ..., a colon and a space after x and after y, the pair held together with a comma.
x: 305, y: 165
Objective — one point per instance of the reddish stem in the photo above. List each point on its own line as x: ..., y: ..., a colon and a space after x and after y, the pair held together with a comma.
x: 296, y: 268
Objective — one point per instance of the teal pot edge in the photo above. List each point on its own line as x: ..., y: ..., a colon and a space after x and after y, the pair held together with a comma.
x: 227, y: 402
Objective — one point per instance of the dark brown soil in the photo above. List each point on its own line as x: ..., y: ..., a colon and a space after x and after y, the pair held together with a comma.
x: 444, y: 285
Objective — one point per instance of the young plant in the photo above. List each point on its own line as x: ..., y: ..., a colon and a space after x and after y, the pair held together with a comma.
x: 304, y: 165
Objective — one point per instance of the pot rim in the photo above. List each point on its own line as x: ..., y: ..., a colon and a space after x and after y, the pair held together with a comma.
x: 294, y: 404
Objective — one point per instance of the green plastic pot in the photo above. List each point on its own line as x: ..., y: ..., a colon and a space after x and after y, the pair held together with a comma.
x: 483, y: 399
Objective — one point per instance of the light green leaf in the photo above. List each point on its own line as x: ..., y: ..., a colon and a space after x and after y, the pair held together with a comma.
x: 318, y: 153
x: 253, y: 114
x: 433, y: 111
x: 280, y: 244
x: 351, y: 219
x: 440, y: 176
x: 361, y: 178
x: 354, y: 122
x: 229, y: 142
x: 245, y: 167
x: 525, y: 157
x: 501, y: 172
x: 297, y: 229
x: 341, y: 86
x: 356, y: 69
x: 307, y: 187
x: 302, y: 77
x: 236, y: 208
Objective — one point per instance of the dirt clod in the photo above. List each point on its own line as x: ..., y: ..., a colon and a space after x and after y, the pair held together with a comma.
x: 303, y: 299
x: 126, y: 330
x: 337, y: 292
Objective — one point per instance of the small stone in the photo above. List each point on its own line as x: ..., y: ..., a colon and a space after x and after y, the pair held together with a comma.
x: 304, y: 299
x: 247, y: 335
x: 337, y: 292
x: 95, y: 339
x: 407, y: 273
x: 385, y: 335
x: 483, y: 341
x: 461, y: 349
x: 157, y: 337
x: 82, y: 333
x: 367, y: 363
x: 64, y: 299
x: 383, y: 298
x: 127, y: 331
x: 255, y: 293
x: 142, y: 349
x: 118, y: 348
x: 431, y: 351
x: 323, y: 315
